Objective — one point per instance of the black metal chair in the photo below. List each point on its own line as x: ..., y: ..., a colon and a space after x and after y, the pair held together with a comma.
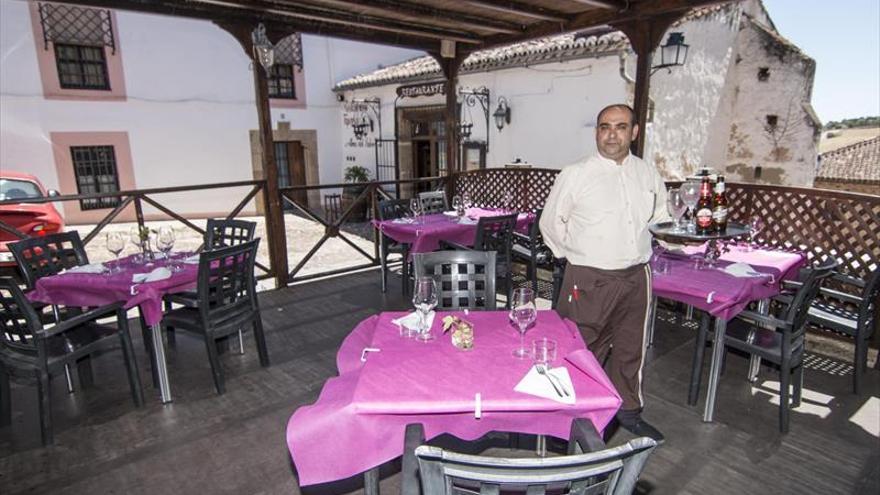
x: 218, y: 234
x: 44, y: 256
x: 227, y: 302
x: 389, y: 210
x: 30, y: 350
x: 588, y: 468
x: 531, y: 249
x: 494, y: 234
x: 779, y: 340
x: 433, y: 202
x: 47, y: 255
x: 849, y: 314
x: 465, y: 279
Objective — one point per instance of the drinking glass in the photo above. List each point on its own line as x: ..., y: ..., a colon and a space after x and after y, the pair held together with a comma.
x: 522, y: 313
x: 165, y: 240
x: 466, y: 200
x: 508, y: 201
x: 676, y: 207
x: 115, y: 244
x: 756, y: 225
x: 457, y: 205
x: 544, y: 351
x: 135, y: 237
x: 415, y: 205
x: 690, y: 194
x: 425, y: 299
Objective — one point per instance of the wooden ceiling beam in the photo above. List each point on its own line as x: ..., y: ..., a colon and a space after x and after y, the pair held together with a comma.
x: 467, y: 21
x: 358, y: 21
x: 602, y: 4
x: 598, y: 17
x: 518, y: 9
x: 277, y: 25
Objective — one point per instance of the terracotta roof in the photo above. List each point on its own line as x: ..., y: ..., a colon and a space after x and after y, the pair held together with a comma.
x: 858, y: 162
x: 538, y: 51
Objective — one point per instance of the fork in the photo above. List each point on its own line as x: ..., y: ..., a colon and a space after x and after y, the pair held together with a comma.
x: 542, y: 370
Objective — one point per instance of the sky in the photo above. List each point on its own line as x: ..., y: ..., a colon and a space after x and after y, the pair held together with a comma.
x: 843, y: 37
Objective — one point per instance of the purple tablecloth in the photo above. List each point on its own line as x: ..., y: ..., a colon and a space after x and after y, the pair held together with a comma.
x: 729, y: 294
x: 425, y: 235
x: 98, y: 289
x: 359, y: 420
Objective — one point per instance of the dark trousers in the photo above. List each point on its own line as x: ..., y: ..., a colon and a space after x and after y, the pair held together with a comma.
x: 610, y: 307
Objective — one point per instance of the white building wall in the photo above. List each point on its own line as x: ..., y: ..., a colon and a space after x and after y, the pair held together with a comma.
x: 691, y: 119
x: 189, y: 107
x: 787, y: 154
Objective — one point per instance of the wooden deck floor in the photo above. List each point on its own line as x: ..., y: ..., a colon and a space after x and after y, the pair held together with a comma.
x: 206, y: 444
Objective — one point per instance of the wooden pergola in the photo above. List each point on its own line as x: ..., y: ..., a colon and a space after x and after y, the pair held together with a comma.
x: 449, y: 30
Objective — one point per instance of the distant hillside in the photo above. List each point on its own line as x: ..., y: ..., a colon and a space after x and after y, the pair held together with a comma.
x: 853, y: 123
x: 834, y: 139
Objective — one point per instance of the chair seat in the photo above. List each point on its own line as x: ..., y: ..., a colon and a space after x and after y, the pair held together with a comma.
x: 524, y: 252
x: 766, y: 343
x: 190, y: 320
x: 834, y: 317
x: 189, y: 299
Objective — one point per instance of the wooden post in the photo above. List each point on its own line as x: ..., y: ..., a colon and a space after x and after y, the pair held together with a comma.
x: 274, y: 214
x: 644, y: 36
x: 450, y: 67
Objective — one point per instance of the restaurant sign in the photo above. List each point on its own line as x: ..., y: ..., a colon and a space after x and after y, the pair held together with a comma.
x: 424, y: 89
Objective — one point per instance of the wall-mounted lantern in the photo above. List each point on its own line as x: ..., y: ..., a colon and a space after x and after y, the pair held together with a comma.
x: 673, y: 54
x: 264, y: 51
x: 502, y: 113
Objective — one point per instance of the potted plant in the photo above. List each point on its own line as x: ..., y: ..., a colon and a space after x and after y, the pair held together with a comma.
x: 357, y: 177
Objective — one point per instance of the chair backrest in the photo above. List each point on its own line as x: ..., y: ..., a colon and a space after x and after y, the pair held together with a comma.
x: 870, y: 296
x: 496, y: 234
x: 42, y: 256
x: 433, y: 202
x: 390, y: 209
x: 226, y: 284
x: 18, y: 320
x: 225, y: 233
x: 609, y: 471
x: 332, y: 207
x: 465, y: 279
x: 800, y: 305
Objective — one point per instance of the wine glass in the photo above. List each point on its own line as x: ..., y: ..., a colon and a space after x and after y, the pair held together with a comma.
x: 676, y: 207
x: 466, y: 200
x: 165, y: 240
x: 508, y: 201
x: 522, y: 313
x: 135, y: 237
x: 115, y: 244
x: 457, y: 206
x: 425, y: 299
x: 415, y: 205
x: 756, y: 225
x: 690, y: 194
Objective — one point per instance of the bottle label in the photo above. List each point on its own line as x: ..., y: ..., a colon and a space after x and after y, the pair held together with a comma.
x: 704, y: 217
x: 719, y: 215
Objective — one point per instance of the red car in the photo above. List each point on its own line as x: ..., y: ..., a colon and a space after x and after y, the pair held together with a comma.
x: 32, y: 219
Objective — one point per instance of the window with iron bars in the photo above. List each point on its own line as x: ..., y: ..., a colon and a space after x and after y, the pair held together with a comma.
x: 95, y: 171
x: 81, y: 67
x: 281, y: 83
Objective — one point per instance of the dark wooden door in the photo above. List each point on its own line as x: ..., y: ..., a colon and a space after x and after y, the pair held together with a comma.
x: 290, y: 158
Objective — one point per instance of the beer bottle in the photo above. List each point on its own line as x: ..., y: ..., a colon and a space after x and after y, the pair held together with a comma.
x: 704, y: 208
x: 719, y: 210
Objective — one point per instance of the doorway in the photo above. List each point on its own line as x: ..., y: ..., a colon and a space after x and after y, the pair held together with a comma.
x: 291, y: 163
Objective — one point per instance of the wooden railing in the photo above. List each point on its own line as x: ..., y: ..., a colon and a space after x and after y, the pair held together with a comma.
x: 820, y: 222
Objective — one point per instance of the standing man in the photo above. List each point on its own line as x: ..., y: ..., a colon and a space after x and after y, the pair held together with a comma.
x: 597, y: 216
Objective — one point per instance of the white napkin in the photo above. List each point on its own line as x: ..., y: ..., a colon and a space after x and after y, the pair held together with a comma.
x: 411, y: 320
x: 402, y: 220
x: 467, y: 221
x: 160, y: 273
x: 192, y: 260
x: 540, y: 386
x: 450, y: 213
x: 92, y: 268
x: 743, y: 270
